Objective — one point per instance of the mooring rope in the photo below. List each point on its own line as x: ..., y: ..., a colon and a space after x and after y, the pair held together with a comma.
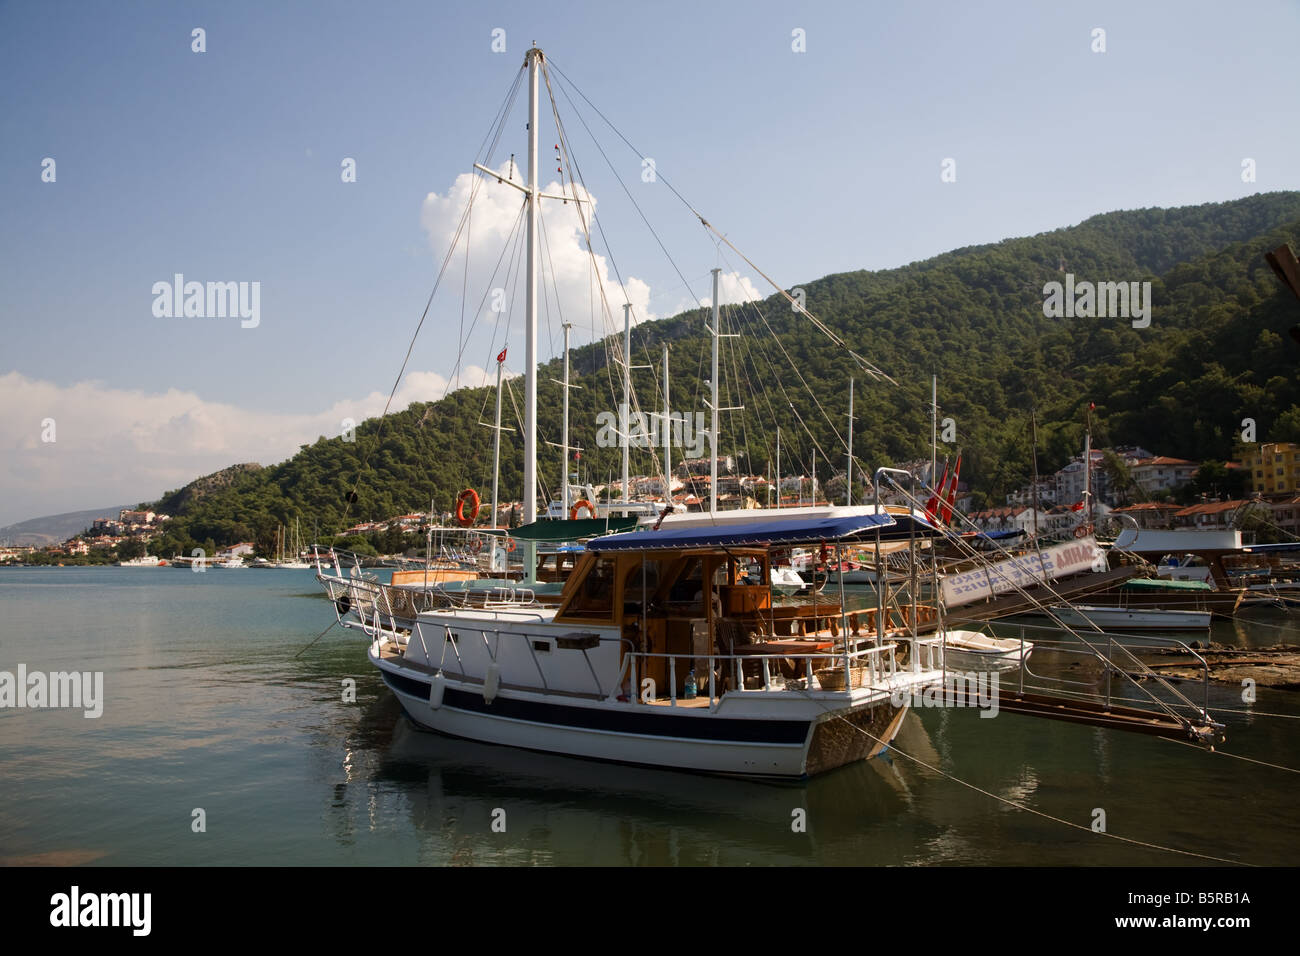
x: 1225, y: 753
x: 1040, y: 813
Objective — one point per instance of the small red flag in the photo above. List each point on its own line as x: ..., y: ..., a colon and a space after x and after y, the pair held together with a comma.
x: 949, y: 502
x: 502, y: 356
x: 932, y: 506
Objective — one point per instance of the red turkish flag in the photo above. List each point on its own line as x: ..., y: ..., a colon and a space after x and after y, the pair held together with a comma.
x: 502, y: 356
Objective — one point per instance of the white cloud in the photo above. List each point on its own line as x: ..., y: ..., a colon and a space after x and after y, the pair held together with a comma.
x: 116, y: 445
x: 569, y: 271
x: 733, y: 289
x: 122, y: 445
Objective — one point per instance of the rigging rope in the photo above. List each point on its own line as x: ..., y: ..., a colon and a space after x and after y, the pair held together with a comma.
x: 498, y: 125
x: 866, y: 365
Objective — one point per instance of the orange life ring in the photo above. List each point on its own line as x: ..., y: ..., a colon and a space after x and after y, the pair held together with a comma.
x: 471, y: 496
x: 510, y: 544
x: 578, y: 506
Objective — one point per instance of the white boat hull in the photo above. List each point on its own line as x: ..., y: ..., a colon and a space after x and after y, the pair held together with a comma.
x: 753, y: 733
x: 1132, y: 619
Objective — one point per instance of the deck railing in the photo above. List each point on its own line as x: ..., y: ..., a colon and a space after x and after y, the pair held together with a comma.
x: 871, y: 667
x: 357, y: 594
x: 877, y: 665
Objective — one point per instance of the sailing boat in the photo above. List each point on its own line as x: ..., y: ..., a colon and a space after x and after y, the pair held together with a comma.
x: 295, y: 562
x: 666, y: 646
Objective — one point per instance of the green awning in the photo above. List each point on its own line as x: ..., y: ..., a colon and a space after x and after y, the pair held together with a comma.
x: 1163, y: 584
x: 559, y: 530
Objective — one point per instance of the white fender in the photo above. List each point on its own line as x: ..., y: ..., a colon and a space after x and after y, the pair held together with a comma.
x: 436, y: 688
x: 491, y: 681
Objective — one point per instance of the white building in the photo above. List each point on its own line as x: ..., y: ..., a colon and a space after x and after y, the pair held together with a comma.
x: 1162, y: 474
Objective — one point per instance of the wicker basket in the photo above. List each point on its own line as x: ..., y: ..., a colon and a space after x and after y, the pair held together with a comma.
x: 832, y: 678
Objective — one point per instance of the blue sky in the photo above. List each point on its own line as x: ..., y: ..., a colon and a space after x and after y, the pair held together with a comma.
x: 225, y: 166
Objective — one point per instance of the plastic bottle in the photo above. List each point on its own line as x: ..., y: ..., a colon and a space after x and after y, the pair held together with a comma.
x: 692, y: 689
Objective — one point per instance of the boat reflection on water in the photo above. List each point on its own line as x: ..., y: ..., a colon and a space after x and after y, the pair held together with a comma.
x: 569, y: 811
x: 428, y: 799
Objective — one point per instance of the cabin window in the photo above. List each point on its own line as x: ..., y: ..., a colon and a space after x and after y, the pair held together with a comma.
x: 689, y: 584
x: 640, y: 585
x: 595, y: 596
x: 632, y: 584
x: 749, y: 570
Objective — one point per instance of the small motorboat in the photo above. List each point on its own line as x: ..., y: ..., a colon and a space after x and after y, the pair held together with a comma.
x: 975, y: 650
x: 787, y: 581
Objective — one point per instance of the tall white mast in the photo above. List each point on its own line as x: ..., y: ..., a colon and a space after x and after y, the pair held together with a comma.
x: 667, y: 438
x: 1087, y: 468
x: 496, y: 448
x: 564, y: 446
x: 564, y: 466
x: 934, y: 425
x: 848, y: 500
x: 713, y: 390
x: 778, y: 466
x: 626, y: 423
x: 496, y: 442
x: 534, y: 61
x: 715, y: 331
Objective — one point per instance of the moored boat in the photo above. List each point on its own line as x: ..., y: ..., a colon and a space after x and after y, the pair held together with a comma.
x: 667, y: 646
x: 665, y: 651
x: 1131, y: 618
x: 977, y: 651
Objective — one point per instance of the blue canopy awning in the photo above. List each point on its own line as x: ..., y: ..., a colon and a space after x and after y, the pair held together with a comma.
x: 754, y: 534
x: 997, y: 535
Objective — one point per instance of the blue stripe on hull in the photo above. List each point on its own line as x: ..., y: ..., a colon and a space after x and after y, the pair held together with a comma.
x: 649, y: 721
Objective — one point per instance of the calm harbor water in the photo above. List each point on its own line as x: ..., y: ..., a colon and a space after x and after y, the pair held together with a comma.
x: 207, y: 706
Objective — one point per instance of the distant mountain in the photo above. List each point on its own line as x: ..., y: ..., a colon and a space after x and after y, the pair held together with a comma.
x: 53, y: 529
x: 1216, y: 351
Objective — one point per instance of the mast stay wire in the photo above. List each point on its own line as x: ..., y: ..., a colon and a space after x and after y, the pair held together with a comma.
x: 494, y: 136
x: 863, y: 363
x: 575, y: 180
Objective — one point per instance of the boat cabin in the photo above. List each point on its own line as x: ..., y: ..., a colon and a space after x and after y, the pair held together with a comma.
x: 681, y: 597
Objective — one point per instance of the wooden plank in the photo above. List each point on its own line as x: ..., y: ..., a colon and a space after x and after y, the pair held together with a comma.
x: 1096, y: 714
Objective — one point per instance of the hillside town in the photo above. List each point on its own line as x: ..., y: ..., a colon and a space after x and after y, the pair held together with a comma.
x: 1150, y: 490
x: 1260, y: 493
x: 108, y: 540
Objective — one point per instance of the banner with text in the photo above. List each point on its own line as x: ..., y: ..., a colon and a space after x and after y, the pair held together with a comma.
x: 1022, y: 572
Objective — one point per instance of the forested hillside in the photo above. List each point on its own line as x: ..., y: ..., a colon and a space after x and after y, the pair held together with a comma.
x: 1216, y: 351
